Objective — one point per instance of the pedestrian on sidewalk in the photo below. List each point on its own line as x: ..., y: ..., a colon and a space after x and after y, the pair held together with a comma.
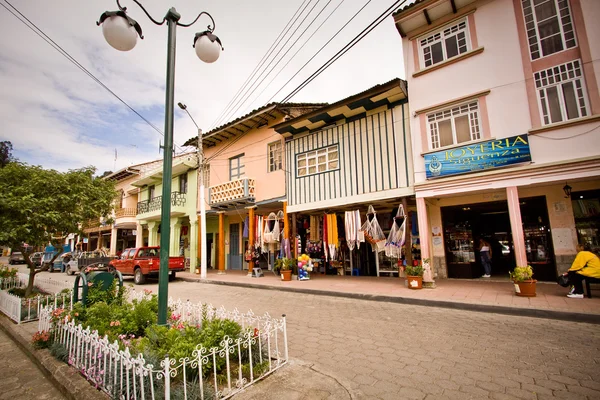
x: 586, y: 264
x: 485, y: 253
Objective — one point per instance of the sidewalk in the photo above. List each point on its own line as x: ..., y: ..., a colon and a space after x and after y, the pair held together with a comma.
x: 485, y: 295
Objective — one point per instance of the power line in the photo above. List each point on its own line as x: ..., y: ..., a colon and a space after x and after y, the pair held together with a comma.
x: 35, y: 29
x: 346, y: 48
x: 260, y: 63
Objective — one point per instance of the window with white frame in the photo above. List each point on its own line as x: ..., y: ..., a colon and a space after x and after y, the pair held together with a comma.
x: 236, y: 167
x: 444, y: 44
x: 454, y: 125
x: 549, y: 26
x: 316, y: 161
x: 275, y: 150
x: 561, y: 92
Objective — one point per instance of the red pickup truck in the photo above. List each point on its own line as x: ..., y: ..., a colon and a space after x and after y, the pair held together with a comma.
x: 144, y: 261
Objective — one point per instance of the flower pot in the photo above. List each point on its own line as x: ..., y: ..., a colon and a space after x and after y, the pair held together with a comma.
x: 525, y: 288
x: 286, y: 275
x: 415, y: 282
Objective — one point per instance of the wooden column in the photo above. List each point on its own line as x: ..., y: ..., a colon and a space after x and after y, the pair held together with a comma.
x: 293, y: 241
x: 408, y: 242
x: 286, y: 225
x: 251, y: 238
x: 221, y: 262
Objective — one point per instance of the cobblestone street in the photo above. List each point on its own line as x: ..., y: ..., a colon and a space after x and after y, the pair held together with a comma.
x: 392, y: 351
x: 21, y: 379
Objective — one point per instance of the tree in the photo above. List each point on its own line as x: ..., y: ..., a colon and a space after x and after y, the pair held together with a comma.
x: 6, y: 149
x: 40, y: 206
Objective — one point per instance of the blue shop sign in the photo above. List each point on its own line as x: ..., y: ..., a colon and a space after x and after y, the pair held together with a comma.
x: 478, y: 157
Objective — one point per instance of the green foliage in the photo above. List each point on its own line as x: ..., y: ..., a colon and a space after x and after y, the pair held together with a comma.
x: 6, y: 272
x: 521, y: 274
x: 40, y: 206
x: 6, y: 156
x: 414, y: 270
x: 60, y: 352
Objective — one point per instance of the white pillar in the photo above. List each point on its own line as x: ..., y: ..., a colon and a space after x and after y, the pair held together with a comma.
x: 175, y: 236
x: 424, y: 238
x: 516, y: 225
x: 153, y: 233
x: 139, y: 235
x: 113, y: 241
x: 193, y: 245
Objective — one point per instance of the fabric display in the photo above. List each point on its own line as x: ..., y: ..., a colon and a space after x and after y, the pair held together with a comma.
x: 325, y: 247
x: 315, y: 228
x: 352, y: 226
x: 245, y: 231
x: 272, y: 231
x: 332, y: 235
x: 396, y: 238
x: 314, y: 247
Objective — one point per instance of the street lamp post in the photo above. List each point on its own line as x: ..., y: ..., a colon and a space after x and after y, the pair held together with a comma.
x: 121, y: 32
x: 201, y: 166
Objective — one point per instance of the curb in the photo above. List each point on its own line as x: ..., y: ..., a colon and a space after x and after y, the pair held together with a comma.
x: 65, y: 378
x: 516, y: 311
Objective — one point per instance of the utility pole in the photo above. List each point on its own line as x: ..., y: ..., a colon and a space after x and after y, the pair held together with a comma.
x: 201, y: 169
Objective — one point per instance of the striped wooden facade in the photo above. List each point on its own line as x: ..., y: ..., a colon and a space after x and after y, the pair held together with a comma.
x: 374, y: 154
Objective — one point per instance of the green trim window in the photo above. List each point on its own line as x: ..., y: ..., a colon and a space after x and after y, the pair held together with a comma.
x: 317, y: 161
x: 275, y: 156
x: 236, y: 167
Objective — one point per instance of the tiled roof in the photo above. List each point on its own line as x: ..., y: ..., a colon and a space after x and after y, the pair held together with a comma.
x: 401, y: 10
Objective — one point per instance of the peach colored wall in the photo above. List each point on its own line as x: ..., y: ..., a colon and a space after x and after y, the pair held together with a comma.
x: 254, y: 145
x: 498, y: 68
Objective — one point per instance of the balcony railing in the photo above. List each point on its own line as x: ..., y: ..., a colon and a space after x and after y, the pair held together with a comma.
x: 125, y: 212
x: 155, y: 204
x: 232, y: 194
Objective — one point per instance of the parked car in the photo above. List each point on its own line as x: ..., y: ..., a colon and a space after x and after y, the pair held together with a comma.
x: 145, y: 261
x: 36, y: 258
x: 16, y: 257
x: 81, y: 260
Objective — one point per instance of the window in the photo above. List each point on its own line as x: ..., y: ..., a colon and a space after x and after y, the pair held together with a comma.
x: 454, y: 125
x: 561, y: 94
x: 316, y: 161
x: 549, y: 26
x: 275, y: 156
x: 206, y: 175
x: 151, y: 190
x: 445, y: 44
x: 236, y: 167
x: 183, y: 182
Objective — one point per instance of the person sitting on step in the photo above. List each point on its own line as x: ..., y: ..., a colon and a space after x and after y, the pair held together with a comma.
x: 586, y: 264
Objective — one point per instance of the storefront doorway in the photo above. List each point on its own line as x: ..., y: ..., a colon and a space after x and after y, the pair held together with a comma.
x: 465, y: 225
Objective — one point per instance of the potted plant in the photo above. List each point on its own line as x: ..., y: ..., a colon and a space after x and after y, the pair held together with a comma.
x: 523, y: 280
x: 284, y: 266
x: 414, y: 276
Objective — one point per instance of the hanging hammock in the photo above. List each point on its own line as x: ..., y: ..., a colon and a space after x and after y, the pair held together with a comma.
x: 396, y: 238
x: 271, y: 235
x: 373, y: 232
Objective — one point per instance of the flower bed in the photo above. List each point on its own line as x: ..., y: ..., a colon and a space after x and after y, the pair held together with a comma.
x: 203, y: 353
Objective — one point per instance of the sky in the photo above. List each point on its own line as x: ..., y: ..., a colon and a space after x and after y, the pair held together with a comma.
x: 58, y: 117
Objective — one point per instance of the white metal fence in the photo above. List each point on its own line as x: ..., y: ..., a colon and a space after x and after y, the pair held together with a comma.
x: 23, y: 310
x: 261, y: 350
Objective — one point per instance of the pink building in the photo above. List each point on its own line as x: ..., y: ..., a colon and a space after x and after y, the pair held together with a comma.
x: 505, y: 120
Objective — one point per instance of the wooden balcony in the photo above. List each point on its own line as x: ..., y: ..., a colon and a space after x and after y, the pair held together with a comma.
x: 232, y: 194
x: 125, y: 212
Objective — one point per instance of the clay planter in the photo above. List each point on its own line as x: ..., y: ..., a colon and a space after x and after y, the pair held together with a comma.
x: 286, y: 275
x: 415, y: 282
x: 525, y: 288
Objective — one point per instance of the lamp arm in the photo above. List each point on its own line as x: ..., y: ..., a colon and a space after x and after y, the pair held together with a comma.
x: 143, y: 9
x: 209, y: 28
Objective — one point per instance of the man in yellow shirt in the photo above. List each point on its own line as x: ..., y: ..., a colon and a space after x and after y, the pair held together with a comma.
x: 586, y: 264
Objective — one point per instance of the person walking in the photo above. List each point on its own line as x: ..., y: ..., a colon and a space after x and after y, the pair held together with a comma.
x: 485, y: 253
x: 586, y: 264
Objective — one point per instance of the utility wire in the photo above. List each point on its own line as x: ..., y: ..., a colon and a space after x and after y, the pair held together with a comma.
x: 22, y: 18
x: 259, y: 65
x: 346, y: 48
x: 245, y: 95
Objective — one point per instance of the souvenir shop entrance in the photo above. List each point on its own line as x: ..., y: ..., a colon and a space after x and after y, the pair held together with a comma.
x: 465, y: 225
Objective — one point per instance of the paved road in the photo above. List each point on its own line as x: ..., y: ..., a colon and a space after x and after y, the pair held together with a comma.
x: 20, y: 378
x: 394, y: 351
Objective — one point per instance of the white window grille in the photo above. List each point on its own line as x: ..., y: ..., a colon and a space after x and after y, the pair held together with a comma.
x: 317, y: 161
x: 236, y: 167
x: 549, y: 26
x: 561, y: 92
x: 445, y: 44
x: 454, y: 125
x: 275, y: 151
